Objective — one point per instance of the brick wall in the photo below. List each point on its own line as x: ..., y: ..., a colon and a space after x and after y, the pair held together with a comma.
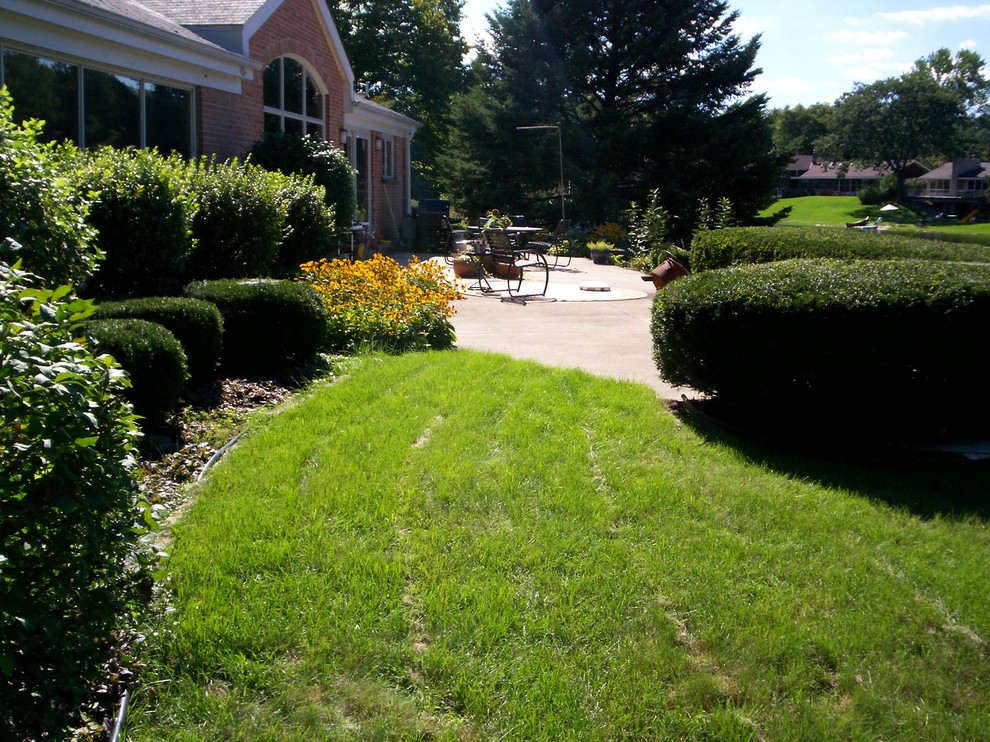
x: 229, y: 124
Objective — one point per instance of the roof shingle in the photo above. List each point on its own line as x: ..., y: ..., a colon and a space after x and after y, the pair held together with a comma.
x: 206, y: 12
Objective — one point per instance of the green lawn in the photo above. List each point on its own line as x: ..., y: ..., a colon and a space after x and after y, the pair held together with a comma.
x: 823, y: 210
x: 835, y: 211
x: 454, y: 545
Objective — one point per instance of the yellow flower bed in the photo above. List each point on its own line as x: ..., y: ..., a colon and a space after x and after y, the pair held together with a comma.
x: 381, y: 304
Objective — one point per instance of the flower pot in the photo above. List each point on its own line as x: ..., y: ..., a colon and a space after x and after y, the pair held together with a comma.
x: 508, y: 271
x: 666, y: 272
x: 600, y: 257
x: 464, y: 268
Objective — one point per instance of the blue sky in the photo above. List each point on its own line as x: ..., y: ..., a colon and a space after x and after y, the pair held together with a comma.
x: 815, y: 50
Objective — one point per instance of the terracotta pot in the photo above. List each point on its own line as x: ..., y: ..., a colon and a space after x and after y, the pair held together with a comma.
x: 666, y: 272
x: 464, y: 268
x: 507, y: 271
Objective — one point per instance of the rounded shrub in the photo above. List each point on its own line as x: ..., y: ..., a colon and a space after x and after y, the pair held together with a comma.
x: 68, y: 508
x: 812, y: 333
x: 196, y: 324
x: 143, y: 218
x: 269, y: 325
x: 720, y: 248
x: 39, y: 207
x: 152, y: 357
x: 308, y: 155
x: 239, y: 222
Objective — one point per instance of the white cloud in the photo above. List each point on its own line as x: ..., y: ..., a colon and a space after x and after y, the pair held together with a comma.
x: 748, y: 27
x: 870, y: 72
x: 968, y: 44
x: 788, y: 85
x: 867, y: 38
x: 935, y: 15
x: 867, y: 55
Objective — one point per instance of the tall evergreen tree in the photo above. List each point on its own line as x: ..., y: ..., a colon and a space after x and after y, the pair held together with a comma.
x: 648, y: 93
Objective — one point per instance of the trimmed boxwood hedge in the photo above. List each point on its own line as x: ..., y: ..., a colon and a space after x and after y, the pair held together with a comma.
x: 269, y: 325
x: 888, y: 333
x: 196, y: 324
x: 152, y: 357
x: 720, y: 248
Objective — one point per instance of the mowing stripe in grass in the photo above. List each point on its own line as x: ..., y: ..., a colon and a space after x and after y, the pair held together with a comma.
x: 455, y: 544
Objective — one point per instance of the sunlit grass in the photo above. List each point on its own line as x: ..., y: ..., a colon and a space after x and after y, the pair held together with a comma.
x: 460, y: 546
x: 837, y: 211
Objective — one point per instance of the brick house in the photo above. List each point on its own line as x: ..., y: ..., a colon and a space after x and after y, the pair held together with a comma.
x: 203, y: 77
x: 809, y: 177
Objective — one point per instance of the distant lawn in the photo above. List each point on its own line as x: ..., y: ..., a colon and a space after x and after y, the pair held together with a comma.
x: 460, y: 546
x: 836, y: 211
x: 825, y: 210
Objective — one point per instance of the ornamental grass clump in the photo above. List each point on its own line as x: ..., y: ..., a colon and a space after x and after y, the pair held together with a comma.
x: 381, y: 304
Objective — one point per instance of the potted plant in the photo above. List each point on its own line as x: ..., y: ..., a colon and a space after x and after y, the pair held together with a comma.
x: 674, y: 265
x: 467, y: 262
x: 601, y: 252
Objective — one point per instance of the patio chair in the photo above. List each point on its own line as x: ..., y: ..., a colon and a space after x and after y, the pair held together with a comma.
x: 552, y: 240
x: 872, y: 227
x: 510, y: 263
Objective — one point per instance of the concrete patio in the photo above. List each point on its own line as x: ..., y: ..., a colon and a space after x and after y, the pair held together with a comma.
x: 602, y: 332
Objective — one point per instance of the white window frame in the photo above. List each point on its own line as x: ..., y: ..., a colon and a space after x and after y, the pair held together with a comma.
x: 306, y: 116
x: 388, y: 159
x: 82, y: 66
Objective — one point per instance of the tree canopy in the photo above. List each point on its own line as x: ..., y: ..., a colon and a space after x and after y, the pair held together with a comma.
x: 892, y: 122
x: 648, y: 93
x: 407, y: 54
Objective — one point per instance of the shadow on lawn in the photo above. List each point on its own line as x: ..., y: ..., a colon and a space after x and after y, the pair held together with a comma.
x: 873, y: 462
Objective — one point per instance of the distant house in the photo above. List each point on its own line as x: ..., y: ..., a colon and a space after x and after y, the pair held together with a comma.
x: 956, y: 188
x: 807, y: 176
x: 202, y: 77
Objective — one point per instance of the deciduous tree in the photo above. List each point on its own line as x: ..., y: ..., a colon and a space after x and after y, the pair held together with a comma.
x: 892, y: 122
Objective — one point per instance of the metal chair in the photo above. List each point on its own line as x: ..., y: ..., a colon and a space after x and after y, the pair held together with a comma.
x: 553, y: 239
x: 510, y: 263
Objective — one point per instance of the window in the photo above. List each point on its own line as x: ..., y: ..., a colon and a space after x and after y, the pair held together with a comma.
x: 92, y: 107
x: 388, y: 158
x: 112, y: 105
x: 293, y: 102
x: 44, y: 89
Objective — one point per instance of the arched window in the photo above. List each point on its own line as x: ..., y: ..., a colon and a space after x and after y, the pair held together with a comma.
x: 293, y: 102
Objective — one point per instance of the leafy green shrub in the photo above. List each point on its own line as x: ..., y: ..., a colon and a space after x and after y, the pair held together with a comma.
x: 196, y: 324
x: 721, y: 248
x: 310, y: 233
x: 268, y: 325
x: 152, y: 357
x: 240, y: 219
x: 68, y: 515
x: 144, y: 219
x: 879, y: 194
x: 890, y: 334
x: 39, y: 207
x: 327, y: 164
x: 972, y: 238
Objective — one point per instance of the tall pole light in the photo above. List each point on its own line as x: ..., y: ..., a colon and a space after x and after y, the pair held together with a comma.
x: 560, y: 152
